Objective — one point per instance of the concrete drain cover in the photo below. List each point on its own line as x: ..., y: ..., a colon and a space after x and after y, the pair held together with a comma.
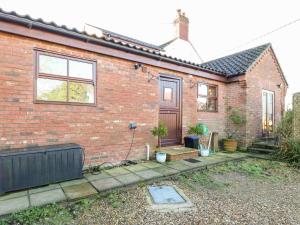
x: 167, y: 198
x: 165, y: 194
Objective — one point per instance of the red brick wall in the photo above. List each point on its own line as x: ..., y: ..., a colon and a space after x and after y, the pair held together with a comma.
x: 123, y: 95
x: 236, y: 99
x: 264, y: 75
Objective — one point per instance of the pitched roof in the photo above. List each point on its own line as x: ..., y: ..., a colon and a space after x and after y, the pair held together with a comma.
x: 126, y: 38
x: 227, y: 66
x: 73, y: 32
x: 237, y: 63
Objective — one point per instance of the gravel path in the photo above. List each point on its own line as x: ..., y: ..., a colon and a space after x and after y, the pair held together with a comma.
x: 243, y: 200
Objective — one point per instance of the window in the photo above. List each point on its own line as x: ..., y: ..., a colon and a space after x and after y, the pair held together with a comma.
x: 207, y: 98
x: 167, y: 94
x: 64, y: 79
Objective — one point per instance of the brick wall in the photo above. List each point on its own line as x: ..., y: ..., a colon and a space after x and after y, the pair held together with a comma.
x: 236, y: 99
x: 296, y: 108
x: 123, y: 95
x: 265, y: 75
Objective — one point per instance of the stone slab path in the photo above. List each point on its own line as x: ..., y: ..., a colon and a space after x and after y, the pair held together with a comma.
x: 107, y: 180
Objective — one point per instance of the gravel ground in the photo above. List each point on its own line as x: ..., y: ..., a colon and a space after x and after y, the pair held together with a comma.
x: 242, y: 199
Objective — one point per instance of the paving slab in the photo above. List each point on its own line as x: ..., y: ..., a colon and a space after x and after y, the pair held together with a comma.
x: 73, y: 182
x: 128, y: 179
x: 106, y: 184
x: 237, y: 155
x: 117, y: 171
x: 44, y: 188
x: 79, y: 191
x: 46, y: 197
x: 136, y: 168
x: 101, y: 175
x: 152, y: 165
x: 194, y: 165
x: 13, y: 195
x: 178, y: 165
x: 149, y: 174
x: 13, y: 205
x: 166, y: 171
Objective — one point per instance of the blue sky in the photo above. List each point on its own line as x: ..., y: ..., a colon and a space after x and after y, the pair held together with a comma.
x: 217, y: 27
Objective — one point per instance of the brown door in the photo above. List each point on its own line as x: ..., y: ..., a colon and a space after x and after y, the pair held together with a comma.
x: 170, y: 109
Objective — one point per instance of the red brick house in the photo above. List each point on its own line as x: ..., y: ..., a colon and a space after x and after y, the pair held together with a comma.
x: 61, y: 85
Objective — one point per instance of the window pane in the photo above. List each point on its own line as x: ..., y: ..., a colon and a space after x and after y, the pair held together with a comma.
x: 202, y: 89
x: 52, y: 65
x: 168, y: 94
x: 79, y: 92
x: 51, y: 90
x: 212, y: 105
x: 212, y: 92
x: 202, y: 103
x: 80, y: 69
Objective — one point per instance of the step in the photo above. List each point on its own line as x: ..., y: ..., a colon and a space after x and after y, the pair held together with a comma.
x: 265, y: 146
x: 178, y: 153
x: 261, y: 150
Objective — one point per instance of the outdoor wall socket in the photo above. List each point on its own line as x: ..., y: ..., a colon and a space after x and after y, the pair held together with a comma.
x: 132, y: 125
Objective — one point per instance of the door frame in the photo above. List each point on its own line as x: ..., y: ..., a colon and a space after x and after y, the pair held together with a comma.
x: 164, y: 75
x: 262, y: 103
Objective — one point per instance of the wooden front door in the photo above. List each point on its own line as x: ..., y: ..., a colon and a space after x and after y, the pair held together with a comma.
x: 170, y: 109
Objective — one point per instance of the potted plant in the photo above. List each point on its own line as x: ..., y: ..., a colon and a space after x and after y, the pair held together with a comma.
x: 199, y: 130
x: 236, y: 121
x: 160, y: 132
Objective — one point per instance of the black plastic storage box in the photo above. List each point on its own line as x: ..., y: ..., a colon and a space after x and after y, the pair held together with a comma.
x: 191, y: 142
x: 36, y: 166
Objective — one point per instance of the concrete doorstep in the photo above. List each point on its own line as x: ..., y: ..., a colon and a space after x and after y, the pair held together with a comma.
x: 106, y: 180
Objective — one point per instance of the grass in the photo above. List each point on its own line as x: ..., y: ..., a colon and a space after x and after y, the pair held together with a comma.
x: 57, y: 214
x: 194, y: 180
x: 114, y: 199
x: 255, y: 168
x: 252, y: 168
x: 52, y: 214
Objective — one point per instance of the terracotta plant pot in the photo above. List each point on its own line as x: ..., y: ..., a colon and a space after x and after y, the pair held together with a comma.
x: 230, y: 145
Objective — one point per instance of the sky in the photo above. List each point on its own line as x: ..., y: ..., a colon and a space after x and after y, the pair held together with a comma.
x: 217, y: 27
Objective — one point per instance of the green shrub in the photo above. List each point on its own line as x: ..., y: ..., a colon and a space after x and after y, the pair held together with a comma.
x: 198, y: 130
x: 160, y: 132
x: 284, y: 129
x: 289, y: 148
x: 237, y: 119
x: 289, y: 152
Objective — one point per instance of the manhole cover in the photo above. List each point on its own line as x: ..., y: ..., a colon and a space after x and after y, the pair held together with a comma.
x: 165, y: 195
x: 168, y: 198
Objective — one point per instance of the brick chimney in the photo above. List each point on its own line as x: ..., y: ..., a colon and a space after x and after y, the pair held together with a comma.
x: 182, y: 26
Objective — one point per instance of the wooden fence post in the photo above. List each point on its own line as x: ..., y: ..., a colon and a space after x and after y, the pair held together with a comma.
x: 296, y: 108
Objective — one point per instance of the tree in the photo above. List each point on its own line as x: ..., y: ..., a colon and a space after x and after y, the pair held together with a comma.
x: 160, y: 132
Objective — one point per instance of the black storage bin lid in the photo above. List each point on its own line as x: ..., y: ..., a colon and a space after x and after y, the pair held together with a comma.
x: 37, y: 149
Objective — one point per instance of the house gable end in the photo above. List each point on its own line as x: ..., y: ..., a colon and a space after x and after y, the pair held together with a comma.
x: 275, y: 60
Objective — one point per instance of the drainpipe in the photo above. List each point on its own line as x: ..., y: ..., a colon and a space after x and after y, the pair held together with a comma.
x: 148, y: 152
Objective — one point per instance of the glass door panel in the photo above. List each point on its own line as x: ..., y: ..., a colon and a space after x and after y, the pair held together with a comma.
x: 268, y: 112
